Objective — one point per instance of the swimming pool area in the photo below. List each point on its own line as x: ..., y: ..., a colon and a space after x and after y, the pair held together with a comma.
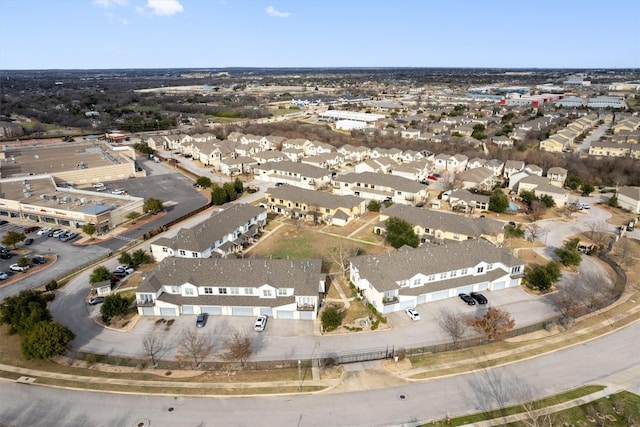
x: 513, y: 207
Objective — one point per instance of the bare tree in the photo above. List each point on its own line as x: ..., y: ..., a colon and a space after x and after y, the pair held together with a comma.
x: 587, y: 291
x: 153, y: 347
x: 494, y: 325
x: 454, y: 323
x: 239, y: 347
x: 536, y: 210
x: 570, y: 209
x: 341, y: 255
x: 194, y: 346
x: 534, y: 230
x: 598, y: 233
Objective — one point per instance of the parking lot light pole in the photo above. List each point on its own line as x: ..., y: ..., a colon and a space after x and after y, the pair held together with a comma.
x: 299, y: 375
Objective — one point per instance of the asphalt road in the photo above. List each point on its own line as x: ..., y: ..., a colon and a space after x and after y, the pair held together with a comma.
x: 609, y: 360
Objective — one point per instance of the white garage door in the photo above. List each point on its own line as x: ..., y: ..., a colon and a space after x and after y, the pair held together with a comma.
x: 211, y: 309
x: 284, y: 314
x: 435, y: 296
x: 483, y: 286
x: 168, y: 311
x: 306, y: 315
x: 464, y: 290
x: 422, y: 299
x: 407, y: 304
x: 498, y: 285
x: 266, y: 311
x: 148, y: 311
x: 187, y: 309
x: 242, y: 311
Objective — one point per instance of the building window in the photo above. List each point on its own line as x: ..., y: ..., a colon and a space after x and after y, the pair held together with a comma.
x: 515, y: 270
x: 267, y: 293
x: 248, y: 291
x: 463, y: 272
x: 454, y: 273
x: 165, y: 250
x: 456, y: 237
x: 480, y: 270
x: 182, y: 252
x: 489, y: 267
x: 188, y: 291
x: 402, y: 283
x: 416, y: 282
x: 208, y: 291
x: 175, y: 289
x: 282, y: 292
x: 195, y: 254
x: 432, y: 278
x: 443, y: 276
x: 234, y: 291
x: 222, y: 291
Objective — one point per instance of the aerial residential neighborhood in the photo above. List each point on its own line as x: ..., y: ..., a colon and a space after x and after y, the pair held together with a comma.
x: 319, y: 214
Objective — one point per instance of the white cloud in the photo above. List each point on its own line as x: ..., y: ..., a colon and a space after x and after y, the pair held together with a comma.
x: 275, y: 12
x: 109, y: 3
x: 164, y: 7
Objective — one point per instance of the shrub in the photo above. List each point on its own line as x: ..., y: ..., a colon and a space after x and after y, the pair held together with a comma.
x: 331, y: 318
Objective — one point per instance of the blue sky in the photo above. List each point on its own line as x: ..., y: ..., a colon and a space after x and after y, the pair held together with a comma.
x: 89, y: 34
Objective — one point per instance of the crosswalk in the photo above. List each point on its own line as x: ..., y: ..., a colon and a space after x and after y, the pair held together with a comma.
x: 125, y: 238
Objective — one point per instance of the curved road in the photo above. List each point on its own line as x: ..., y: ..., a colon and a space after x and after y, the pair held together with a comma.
x: 610, y: 360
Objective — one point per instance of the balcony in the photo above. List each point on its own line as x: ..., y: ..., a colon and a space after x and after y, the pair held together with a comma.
x: 306, y: 307
x: 389, y: 301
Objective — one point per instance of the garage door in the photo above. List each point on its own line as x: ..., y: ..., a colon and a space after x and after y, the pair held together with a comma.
x: 498, y: 285
x: 187, y: 309
x: 306, y: 315
x: 148, y: 311
x: 168, y: 311
x: 422, y: 299
x: 435, y: 296
x: 266, y: 311
x: 464, y: 290
x: 211, y: 309
x: 242, y: 311
x: 284, y: 314
x: 483, y: 286
x: 407, y: 304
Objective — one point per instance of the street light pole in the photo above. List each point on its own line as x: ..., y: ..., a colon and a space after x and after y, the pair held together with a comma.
x: 299, y: 375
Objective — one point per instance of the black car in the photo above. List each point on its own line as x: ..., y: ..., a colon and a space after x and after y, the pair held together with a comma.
x: 6, y: 255
x: 468, y: 299
x: 3, y: 222
x: 481, y: 299
x: 38, y: 259
x: 28, y: 241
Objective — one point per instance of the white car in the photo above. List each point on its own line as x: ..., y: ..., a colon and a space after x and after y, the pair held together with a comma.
x: 412, y: 313
x: 123, y: 269
x: 98, y: 185
x: 583, y: 206
x: 260, y: 324
x: 59, y: 233
x: 16, y: 267
x: 44, y: 231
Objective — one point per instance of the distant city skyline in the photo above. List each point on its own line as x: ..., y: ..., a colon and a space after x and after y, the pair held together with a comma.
x: 119, y: 34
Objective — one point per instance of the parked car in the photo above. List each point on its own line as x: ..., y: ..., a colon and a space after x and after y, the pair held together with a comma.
x: 38, y: 259
x: 432, y: 177
x: 6, y: 255
x: 583, y: 206
x: 16, y: 267
x: 55, y: 232
x: 28, y: 241
x: 43, y: 231
x: 68, y: 236
x: 31, y: 229
x: 96, y: 300
x: 481, y: 299
x: 3, y: 275
x: 3, y: 222
x: 201, y: 320
x: 123, y: 270
x: 468, y: 299
x: 412, y: 313
x: 261, y: 323
x: 59, y: 233
x: 98, y: 185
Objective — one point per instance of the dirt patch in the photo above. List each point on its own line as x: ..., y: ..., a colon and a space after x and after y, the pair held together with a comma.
x: 618, y: 216
x: 531, y: 257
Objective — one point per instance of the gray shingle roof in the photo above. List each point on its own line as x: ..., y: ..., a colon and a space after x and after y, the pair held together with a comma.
x: 296, y: 168
x: 203, y: 235
x: 450, y: 222
x: 384, y: 180
x: 302, y: 275
x: 313, y: 198
x: 384, y: 270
